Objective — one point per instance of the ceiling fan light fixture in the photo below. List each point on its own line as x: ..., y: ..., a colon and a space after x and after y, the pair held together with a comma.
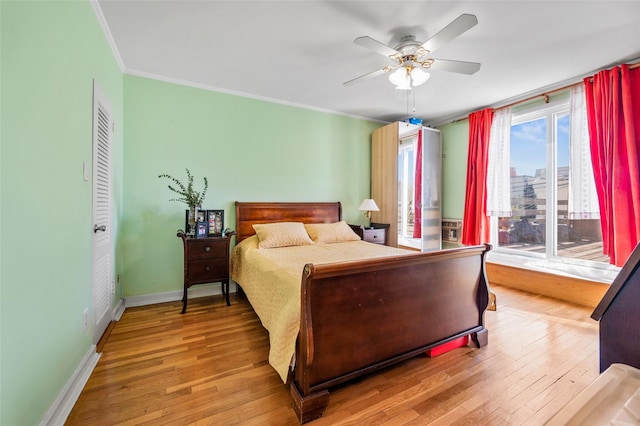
x: 398, y: 76
x: 401, y: 79
x: 419, y: 77
x: 404, y: 76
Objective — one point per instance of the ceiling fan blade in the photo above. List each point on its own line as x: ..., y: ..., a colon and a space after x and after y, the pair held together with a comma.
x: 455, y: 66
x: 372, y: 44
x: 458, y: 26
x: 365, y: 76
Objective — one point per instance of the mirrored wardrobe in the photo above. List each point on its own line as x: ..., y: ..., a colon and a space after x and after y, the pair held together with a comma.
x: 406, y: 182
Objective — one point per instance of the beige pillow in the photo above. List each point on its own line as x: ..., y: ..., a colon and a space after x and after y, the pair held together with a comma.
x: 326, y: 233
x: 281, y: 234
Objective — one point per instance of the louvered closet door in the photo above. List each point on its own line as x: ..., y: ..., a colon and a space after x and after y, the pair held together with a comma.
x: 102, y: 246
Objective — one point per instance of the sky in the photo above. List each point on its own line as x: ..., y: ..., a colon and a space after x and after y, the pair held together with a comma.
x: 529, y: 149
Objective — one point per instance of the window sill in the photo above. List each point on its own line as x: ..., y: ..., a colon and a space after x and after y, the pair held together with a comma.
x: 604, y: 274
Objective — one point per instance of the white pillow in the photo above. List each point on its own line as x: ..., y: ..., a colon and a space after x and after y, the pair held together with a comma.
x: 281, y: 234
x: 327, y: 233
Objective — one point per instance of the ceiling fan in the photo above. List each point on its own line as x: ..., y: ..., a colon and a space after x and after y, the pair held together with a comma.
x: 411, y: 57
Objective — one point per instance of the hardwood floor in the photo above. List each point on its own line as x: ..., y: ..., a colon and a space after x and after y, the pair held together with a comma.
x: 210, y: 366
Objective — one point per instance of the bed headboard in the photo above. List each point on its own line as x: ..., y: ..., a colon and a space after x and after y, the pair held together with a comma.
x: 248, y: 214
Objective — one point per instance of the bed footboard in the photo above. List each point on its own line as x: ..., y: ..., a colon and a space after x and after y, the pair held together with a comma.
x: 358, y: 317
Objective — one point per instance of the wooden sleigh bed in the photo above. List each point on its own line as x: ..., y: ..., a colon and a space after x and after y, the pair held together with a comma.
x: 359, y: 316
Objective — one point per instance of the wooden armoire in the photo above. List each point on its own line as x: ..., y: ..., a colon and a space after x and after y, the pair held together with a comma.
x: 385, y: 142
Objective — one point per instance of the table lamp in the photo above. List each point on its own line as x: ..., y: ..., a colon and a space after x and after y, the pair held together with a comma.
x: 368, y: 205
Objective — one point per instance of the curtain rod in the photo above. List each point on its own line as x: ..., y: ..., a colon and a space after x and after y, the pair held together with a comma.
x: 545, y: 95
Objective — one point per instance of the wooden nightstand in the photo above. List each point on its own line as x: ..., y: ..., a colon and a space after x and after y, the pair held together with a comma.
x: 376, y: 233
x: 206, y: 260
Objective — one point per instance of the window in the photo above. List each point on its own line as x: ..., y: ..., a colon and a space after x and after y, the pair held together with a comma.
x: 540, y: 225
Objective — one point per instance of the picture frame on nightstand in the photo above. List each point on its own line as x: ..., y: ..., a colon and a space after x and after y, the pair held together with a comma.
x: 202, y: 229
x: 215, y: 219
x: 187, y: 228
x: 201, y: 216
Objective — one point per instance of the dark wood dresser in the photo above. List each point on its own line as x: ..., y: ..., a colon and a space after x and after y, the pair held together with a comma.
x: 206, y: 260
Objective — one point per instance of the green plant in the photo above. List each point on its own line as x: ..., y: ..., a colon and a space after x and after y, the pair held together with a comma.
x: 188, y: 195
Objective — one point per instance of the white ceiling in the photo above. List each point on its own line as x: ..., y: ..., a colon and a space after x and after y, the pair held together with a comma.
x: 300, y: 52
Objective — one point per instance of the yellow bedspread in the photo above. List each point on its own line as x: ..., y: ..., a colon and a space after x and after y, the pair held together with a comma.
x: 271, y: 279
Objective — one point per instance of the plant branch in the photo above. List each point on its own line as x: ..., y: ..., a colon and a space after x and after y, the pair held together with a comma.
x: 188, y: 195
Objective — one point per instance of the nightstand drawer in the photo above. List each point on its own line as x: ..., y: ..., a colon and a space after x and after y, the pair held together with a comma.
x: 208, y: 247
x: 374, y: 235
x: 208, y: 270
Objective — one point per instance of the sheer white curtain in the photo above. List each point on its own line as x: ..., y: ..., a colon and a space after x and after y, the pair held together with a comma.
x: 583, y: 199
x: 498, y: 168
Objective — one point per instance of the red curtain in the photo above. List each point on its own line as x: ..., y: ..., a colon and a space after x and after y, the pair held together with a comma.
x: 417, y: 191
x: 613, y: 112
x: 475, y: 224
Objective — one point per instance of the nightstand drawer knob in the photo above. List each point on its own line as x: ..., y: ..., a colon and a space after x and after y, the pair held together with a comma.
x: 375, y: 236
x: 208, y: 268
x: 207, y: 248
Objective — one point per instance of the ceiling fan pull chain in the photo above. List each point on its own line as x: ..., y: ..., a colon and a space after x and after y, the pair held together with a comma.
x: 414, y: 101
x: 407, y: 104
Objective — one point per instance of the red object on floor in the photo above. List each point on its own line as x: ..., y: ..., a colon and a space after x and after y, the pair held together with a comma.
x: 449, y: 346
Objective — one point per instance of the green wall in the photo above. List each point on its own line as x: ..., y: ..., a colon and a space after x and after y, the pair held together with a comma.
x: 455, y: 148
x: 50, y: 53
x: 250, y: 150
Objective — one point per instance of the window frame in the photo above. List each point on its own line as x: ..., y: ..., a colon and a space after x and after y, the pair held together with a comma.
x: 550, y: 259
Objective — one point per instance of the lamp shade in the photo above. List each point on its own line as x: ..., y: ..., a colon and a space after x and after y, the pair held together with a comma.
x: 400, y: 78
x: 369, y: 205
x: 419, y: 77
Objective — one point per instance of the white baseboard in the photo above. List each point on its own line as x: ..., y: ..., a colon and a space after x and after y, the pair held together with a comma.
x: 171, y: 296
x: 62, y: 406
x: 118, y: 310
